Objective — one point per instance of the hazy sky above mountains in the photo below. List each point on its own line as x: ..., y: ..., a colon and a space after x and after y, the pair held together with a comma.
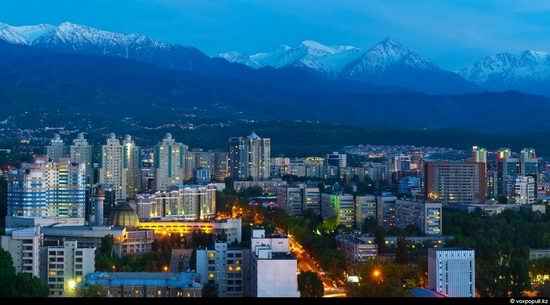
x: 451, y: 33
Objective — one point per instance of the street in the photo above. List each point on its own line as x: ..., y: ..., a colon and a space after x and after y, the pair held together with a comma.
x: 307, y: 263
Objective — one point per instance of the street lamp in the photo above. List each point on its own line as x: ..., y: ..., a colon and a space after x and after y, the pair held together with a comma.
x: 376, y: 274
x: 165, y: 268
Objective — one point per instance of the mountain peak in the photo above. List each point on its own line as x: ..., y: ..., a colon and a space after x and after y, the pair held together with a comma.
x: 390, y: 43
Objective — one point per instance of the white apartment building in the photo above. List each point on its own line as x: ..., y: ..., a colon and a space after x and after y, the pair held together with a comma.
x: 111, y: 171
x: 81, y: 152
x: 24, y: 248
x: 186, y: 202
x: 523, y: 190
x: 451, y: 271
x: 56, y: 149
x: 169, y: 163
x: 66, y: 265
x: 273, y: 268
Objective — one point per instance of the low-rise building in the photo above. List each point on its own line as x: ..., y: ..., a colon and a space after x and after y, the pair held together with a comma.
x: 538, y: 253
x: 230, y: 227
x: 24, y: 248
x: 427, y: 216
x: 273, y: 267
x: 146, y: 284
x: 125, y: 240
x: 66, y: 265
x: 268, y: 186
x: 356, y: 250
x: 226, y: 266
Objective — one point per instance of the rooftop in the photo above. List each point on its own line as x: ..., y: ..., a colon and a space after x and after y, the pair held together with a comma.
x: 426, y: 293
x: 156, y: 279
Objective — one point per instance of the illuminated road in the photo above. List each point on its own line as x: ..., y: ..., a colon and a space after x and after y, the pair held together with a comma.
x: 307, y: 263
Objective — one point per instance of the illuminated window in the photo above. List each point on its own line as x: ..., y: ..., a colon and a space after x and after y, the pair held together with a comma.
x: 211, y: 275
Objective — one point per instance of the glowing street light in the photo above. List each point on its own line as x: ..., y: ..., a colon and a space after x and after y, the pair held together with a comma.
x: 376, y: 274
x: 165, y: 268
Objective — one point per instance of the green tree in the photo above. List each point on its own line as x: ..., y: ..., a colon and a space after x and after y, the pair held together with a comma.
x: 380, y: 239
x: 91, y: 291
x: 401, y: 252
x: 310, y: 285
x: 369, y: 225
x: 379, y: 279
x: 14, y: 284
x: 210, y: 290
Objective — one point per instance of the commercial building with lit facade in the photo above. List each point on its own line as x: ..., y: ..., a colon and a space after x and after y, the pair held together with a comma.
x: 231, y: 227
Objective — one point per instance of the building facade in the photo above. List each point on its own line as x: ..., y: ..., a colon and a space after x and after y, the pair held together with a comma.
x: 56, y: 149
x: 65, y: 265
x: 24, y: 248
x: 186, y: 202
x: 452, y: 271
x: 226, y: 266
x: 146, y: 284
x: 169, y: 163
x: 131, y: 165
x: 249, y: 157
x: 81, y: 152
x: 47, y: 189
x: 455, y: 182
x: 111, y: 170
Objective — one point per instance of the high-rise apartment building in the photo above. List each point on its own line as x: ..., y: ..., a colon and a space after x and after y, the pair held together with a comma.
x: 131, y: 166
x: 56, y: 149
x: 111, y: 171
x: 219, y: 169
x: 169, y: 163
x: 479, y: 154
x: 249, y: 157
x: 452, y: 271
x: 81, y: 152
x: 47, y: 189
x: 455, y: 182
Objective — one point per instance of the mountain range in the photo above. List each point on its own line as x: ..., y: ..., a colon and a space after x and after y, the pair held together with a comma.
x: 73, y: 68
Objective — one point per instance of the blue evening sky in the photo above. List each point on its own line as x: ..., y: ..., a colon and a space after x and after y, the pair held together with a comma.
x: 451, y: 33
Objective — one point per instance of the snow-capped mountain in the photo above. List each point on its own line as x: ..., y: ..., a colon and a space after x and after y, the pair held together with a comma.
x: 374, y: 63
x: 80, y: 39
x: 392, y: 63
x: 528, y: 71
x: 309, y: 55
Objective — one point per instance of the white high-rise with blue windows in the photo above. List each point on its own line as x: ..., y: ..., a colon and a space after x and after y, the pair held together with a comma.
x: 47, y: 189
x: 451, y: 271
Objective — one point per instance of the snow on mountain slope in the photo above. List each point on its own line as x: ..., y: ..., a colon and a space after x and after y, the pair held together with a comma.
x: 375, y: 62
x: 508, y: 69
x: 328, y: 60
